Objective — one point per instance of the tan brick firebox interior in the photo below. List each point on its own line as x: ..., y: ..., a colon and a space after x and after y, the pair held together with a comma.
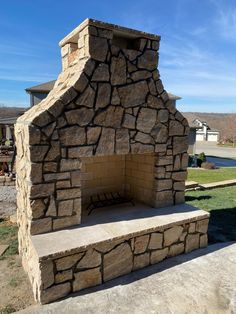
x: 131, y: 175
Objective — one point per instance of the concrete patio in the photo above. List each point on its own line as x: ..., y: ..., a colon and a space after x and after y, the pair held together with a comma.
x: 203, y: 281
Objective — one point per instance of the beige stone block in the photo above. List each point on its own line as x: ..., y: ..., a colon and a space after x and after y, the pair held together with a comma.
x: 202, y: 225
x: 64, y: 222
x: 64, y: 276
x: 98, y: 48
x: 156, y: 241
x: 179, y: 197
x: 172, y: 235
x: 118, y: 262
x: 176, y: 128
x: 164, y: 160
x: 107, y: 246
x: 129, y: 121
x: 164, y: 184
x: 93, y: 134
x: 63, y: 184
x: 192, y: 227
x: 65, y: 208
x: 56, y: 176
x: 55, y: 293
x: 73, y: 135
x: 122, y: 141
x: 87, y: 278
x: 50, y: 167
x: 41, y: 226
x: 148, y: 60
x: 110, y: 117
x: 179, y: 176
x: 86, y: 98
x: 163, y: 198
x: 68, y: 194
x: 203, y: 240
x: 101, y: 73
x: 106, y: 143
x: 146, y: 119
x: 67, y: 262
x: 47, y: 273
x: 176, y: 249
x: 52, y: 210
x: 192, y: 242
x: 133, y: 94
x: 103, y: 95
x: 141, y: 261
x: 183, y: 236
x: 158, y: 255
x: 90, y: 260
x: 70, y: 164
x: 37, y: 207
x: 180, y: 144
x: 81, y: 116
x: 141, y: 244
x: 41, y: 190
x: 118, y: 70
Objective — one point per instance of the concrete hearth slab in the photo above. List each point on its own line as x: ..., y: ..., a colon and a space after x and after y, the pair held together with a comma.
x: 114, y: 222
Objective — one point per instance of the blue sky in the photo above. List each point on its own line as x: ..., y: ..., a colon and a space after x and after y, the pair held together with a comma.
x: 197, y: 52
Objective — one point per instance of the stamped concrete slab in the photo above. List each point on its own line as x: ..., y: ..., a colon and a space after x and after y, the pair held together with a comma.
x: 203, y: 281
x: 220, y: 184
x: 3, y: 248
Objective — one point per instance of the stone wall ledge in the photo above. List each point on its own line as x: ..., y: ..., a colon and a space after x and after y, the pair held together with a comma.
x: 127, y: 223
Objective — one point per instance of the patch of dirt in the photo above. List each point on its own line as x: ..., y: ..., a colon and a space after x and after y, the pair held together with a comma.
x: 16, y: 292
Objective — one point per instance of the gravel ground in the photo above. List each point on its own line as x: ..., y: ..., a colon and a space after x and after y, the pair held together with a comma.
x: 7, y: 201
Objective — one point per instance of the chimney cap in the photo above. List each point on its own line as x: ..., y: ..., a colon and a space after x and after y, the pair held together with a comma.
x: 73, y: 36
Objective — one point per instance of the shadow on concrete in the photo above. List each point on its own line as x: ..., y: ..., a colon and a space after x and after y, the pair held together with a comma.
x: 222, y: 225
x: 157, y: 268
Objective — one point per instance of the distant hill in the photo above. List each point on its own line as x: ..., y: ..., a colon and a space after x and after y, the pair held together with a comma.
x: 223, y: 122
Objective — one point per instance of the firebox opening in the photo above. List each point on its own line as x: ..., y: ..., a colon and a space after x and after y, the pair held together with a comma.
x: 126, y: 42
x: 132, y: 176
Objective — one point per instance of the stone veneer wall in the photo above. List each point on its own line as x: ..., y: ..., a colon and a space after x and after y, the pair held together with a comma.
x: 108, y: 100
x: 67, y: 273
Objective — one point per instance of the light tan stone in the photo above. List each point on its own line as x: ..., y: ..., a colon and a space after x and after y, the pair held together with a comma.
x: 176, y: 249
x: 37, y: 153
x: 202, y: 226
x: 106, y: 143
x: 67, y: 194
x: 129, y: 121
x: 172, y: 235
x: 65, y: 208
x: 87, y: 278
x: 103, y: 96
x: 90, y: 260
x: 38, y: 207
x: 133, y: 94
x: 55, y: 293
x: 192, y: 242
x: 64, y: 276
x: 203, y: 240
x: 65, y: 222
x: 160, y: 133
x: 122, y: 141
x: 41, y: 226
x: 148, y: 60
x: 110, y: 117
x: 81, y: 116
x: 68, y: 261
x: 180, y: 144
x: 98, y: 48
x: 164, y: 184
x: 47, y: 274
x: 70, y: 164
x: 146, y: 119
x: 176, y: 128
x: 117, y: 262
x: 118, y: 70
x: 158, y: 255
x: 192, y: 227
x: 156, y: 241
x: 101, y: 73
x: 140, y: 75
x: 164, y: 198
x: 141, y: 261
x: 179, y: 176
x: 78, y: 152
x: 93, y: 134
x: 87, y: 98
x: 73, y: 135
x: 52, y: 210
x: 141, y: 244
x: 144, y: 138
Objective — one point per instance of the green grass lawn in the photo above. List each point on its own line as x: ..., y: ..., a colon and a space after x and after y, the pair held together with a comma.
x: 207, y: 176
x: 221, y: 203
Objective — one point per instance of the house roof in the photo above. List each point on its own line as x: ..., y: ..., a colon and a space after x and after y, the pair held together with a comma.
x: 8, y: 115
x: 41, y: 88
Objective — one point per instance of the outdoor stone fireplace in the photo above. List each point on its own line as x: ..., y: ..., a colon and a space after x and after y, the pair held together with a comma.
x: 107, y: 126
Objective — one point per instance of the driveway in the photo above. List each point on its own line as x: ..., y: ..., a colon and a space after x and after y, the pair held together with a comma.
x: 203, y: 281
x: 211, y: 149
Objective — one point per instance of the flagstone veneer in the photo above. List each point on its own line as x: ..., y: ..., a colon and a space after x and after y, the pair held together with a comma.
x: 108, y: 124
